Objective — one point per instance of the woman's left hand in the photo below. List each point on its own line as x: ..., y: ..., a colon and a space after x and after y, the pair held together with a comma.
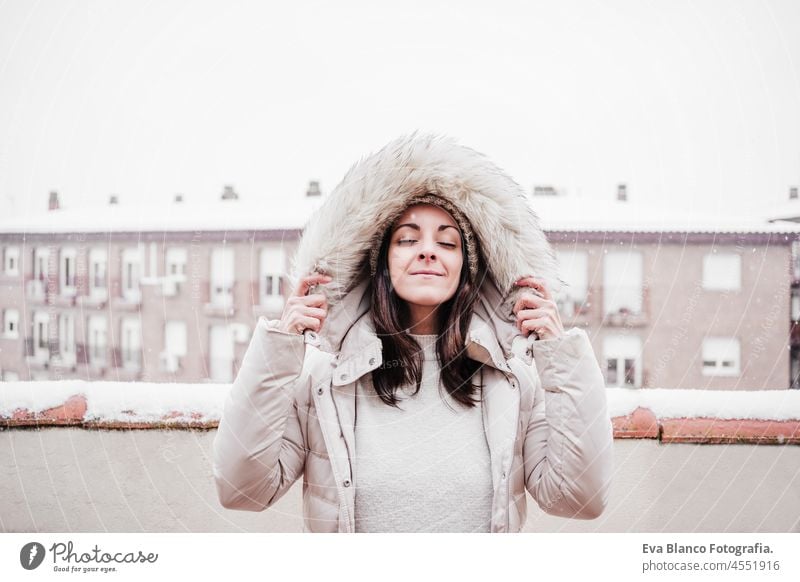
x: 539, y: 314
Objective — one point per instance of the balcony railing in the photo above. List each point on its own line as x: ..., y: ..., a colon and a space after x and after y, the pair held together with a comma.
x: 629, y: 316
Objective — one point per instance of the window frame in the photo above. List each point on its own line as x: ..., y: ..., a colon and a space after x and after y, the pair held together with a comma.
x: 708, y: 284
x: 13, y: 253
x: 718, y: 370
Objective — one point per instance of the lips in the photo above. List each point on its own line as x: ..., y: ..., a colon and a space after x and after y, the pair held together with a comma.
x: 427, y: 273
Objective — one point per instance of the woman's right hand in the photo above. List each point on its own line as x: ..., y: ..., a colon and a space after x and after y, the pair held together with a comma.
x: 304, y: 311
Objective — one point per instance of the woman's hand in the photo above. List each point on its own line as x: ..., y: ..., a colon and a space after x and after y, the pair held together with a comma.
x: 537, y: 313
x: 304, y: 311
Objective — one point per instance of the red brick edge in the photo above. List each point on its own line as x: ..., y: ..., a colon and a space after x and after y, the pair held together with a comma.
x: 73, y: 413
x: 640, y: 424
x: 643, y: 424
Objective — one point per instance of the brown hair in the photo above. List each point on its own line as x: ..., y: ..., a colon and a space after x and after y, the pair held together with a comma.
x: 402, y: 356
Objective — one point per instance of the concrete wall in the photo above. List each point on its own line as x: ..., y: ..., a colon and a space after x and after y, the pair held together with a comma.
x: 77, y: 480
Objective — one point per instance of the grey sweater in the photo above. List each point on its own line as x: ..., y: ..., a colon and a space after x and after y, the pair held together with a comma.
x: 425, y: 467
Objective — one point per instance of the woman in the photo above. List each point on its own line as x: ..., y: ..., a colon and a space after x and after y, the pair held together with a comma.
x: 419, y: 378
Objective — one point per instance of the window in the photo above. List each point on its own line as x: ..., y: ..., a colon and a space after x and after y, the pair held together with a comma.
x: 131, y: 269
x: 174, y: 345
x: 271, y: 268
x: 796, y: 259
x: 152, y: 263
x: 221, y: 353
x: 622, y: 282
x: 222, y: 276
x: 574, y: 270
x: 11, y: 261
x: 721, y: 356
x: 795, y: 303
x: 41, y: 257
x: 175, y: 338
x: 176, y: 263
x: 131, y: 347
x: 67, y: 271
x: 41, y: 323
x: 98, y: 272
x: 10, y: 323
x: 97, y: 339
x: 175, y: 270
x: 622, y: 355
x: 722, y: 271
x: 66, y: 337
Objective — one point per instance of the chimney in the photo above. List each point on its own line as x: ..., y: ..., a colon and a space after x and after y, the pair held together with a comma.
x: 178, y: 198
x: 793, y: 193
x: 229, y: 194
x: 622, y: 193
x: 544, y: 191
x: 313, y: 188
x: 52, y: 204
x: 113, y: 199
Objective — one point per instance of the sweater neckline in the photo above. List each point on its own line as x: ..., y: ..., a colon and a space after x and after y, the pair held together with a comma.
x: 428, y: 344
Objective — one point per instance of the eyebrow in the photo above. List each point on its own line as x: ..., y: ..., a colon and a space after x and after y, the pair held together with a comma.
x: 416, y: 226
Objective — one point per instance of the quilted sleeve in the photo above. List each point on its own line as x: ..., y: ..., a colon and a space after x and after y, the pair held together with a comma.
x: 568, y: 447
x: 259, y: 450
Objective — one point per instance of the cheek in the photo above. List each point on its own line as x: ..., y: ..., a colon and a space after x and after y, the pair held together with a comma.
x: 454, y: 265
x: 396, y: 258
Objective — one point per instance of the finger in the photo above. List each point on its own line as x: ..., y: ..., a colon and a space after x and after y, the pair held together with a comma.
x: 314, y: 300
x: 304, y: 323
x: 314, y: 312
x: 527, y: 300
x: 524, y: 314
x: 309, y: 281
x: 536, y: 284
x: 538, y: 325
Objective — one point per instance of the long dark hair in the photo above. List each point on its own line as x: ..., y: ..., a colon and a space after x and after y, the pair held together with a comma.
x: 402, y: 356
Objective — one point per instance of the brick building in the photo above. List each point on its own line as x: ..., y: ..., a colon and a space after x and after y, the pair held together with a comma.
x: 172, y: 292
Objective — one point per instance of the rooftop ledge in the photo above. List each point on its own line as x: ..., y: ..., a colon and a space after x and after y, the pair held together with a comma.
x: 666, y: 415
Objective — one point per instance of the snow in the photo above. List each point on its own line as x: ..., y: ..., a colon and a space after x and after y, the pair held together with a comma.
x: 557, y: 213
x: 582, y: 214
x: 118, y: 401
x: 152, y: 402
x: 221, y: 215
x: 684, y: 403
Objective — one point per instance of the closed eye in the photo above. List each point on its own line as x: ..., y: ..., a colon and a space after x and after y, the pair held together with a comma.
x: 408, y: 240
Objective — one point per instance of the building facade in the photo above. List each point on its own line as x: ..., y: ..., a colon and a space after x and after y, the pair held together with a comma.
x: 175, y: 296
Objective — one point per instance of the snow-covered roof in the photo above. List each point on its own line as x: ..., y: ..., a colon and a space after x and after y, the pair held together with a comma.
x: 785, y: 211
x: 557, y: 213
x: 586, y: 214
x: 219, y: 215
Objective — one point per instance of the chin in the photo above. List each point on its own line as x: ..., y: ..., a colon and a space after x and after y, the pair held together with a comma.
x: 427, y: 298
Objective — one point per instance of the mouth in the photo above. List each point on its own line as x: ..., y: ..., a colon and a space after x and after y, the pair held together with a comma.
x: 434, y: 273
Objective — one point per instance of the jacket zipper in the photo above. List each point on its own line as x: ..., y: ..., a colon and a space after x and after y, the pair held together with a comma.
x: 328, y: 443
x: 342, y: 494
x: 513, y: 452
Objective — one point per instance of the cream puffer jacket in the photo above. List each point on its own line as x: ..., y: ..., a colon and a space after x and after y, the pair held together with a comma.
x: 291, y: 410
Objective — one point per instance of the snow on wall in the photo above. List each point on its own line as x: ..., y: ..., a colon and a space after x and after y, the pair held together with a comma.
x: 150, y: 401
x: 729, y: 404
x: 117, y: 401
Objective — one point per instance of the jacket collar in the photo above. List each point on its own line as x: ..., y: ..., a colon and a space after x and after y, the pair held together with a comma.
x: 491, y: 339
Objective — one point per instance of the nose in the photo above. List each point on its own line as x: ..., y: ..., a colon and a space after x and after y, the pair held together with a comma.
x: 428, y: 251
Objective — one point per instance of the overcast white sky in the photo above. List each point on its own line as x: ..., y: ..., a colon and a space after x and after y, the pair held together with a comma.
x: 692, y: 102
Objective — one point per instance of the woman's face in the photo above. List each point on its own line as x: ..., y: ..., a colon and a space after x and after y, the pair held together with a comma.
x: 425, y: 238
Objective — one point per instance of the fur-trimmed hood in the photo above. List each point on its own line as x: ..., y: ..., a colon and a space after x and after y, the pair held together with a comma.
x: 339, y: 235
